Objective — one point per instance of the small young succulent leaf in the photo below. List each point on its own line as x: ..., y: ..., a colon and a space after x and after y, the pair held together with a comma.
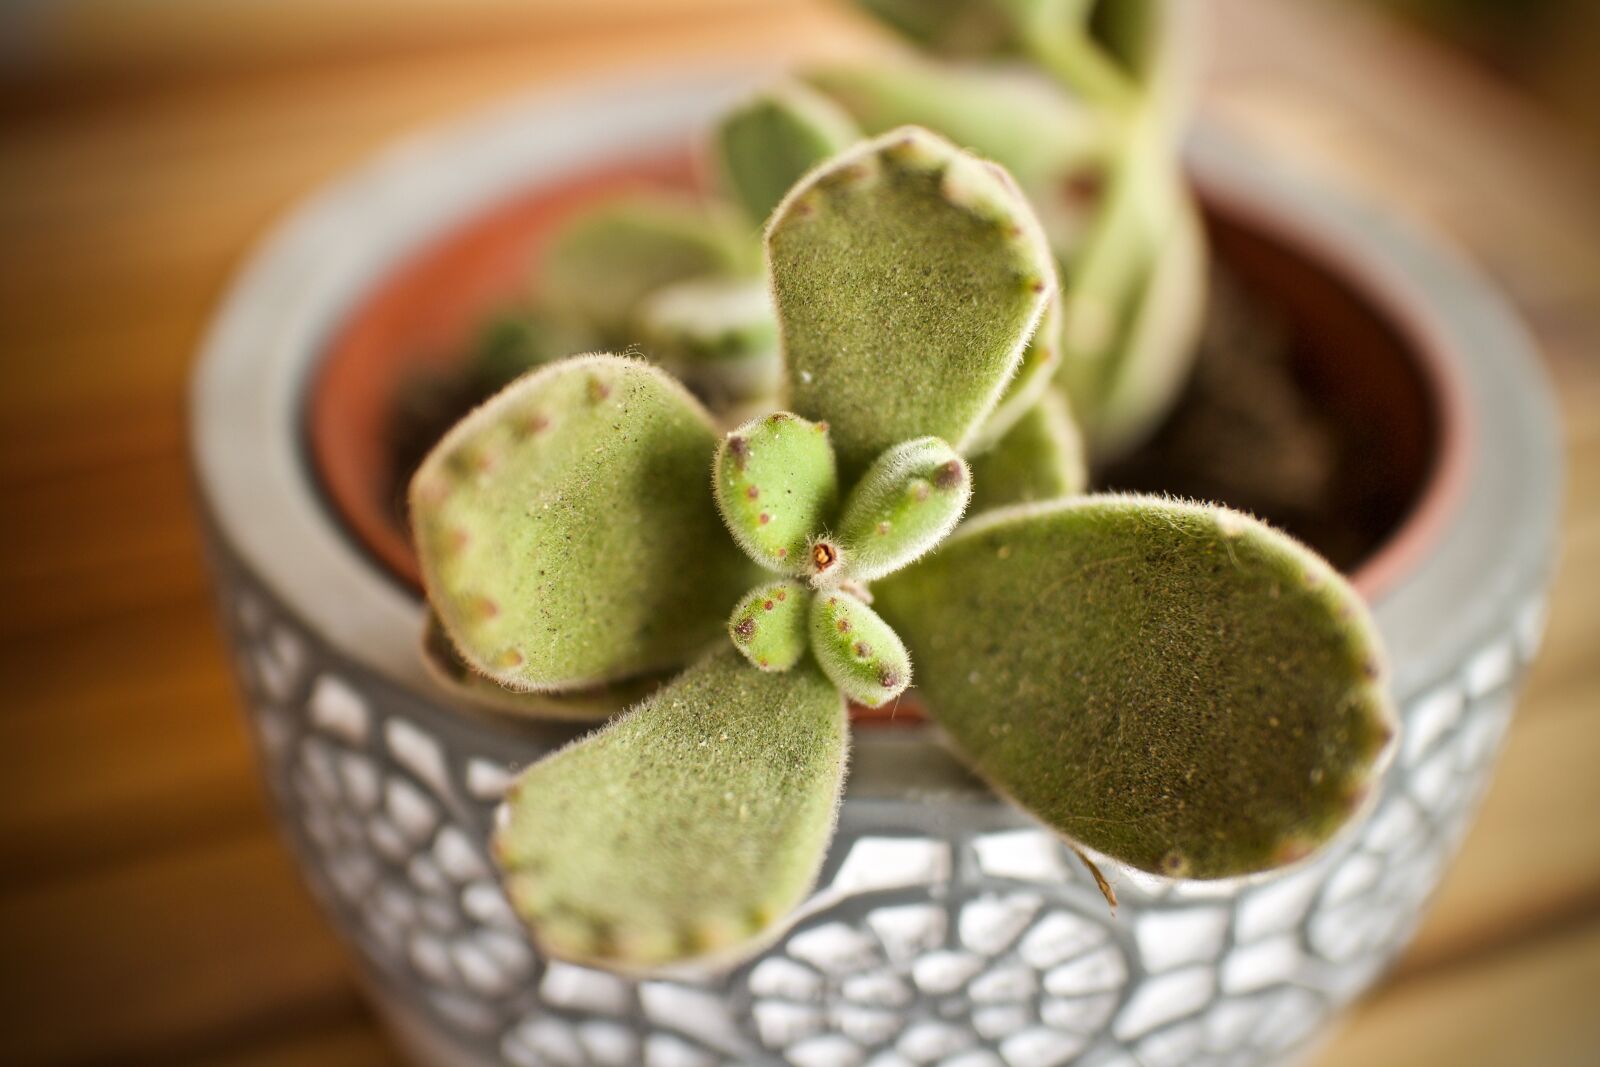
x: 603, y: 262
x: 1025, y: 124
x: 1176, y: 686
x: 771, y: 624
x: 512, y: 344
x: 769, y: 142
x: 716, y: 335
x: 563, y: 529
x: 1159, y: 346
x: 1040, y: 459
x: 467, y: 688
x: 687, y: 829
x: 776, y: 487
x: 1035, y: 372
x: 857, y: 650
x: 908, y: 277
x: 908, y: 501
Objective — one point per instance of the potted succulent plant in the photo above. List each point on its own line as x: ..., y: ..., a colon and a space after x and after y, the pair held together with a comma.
x: 838, y: 465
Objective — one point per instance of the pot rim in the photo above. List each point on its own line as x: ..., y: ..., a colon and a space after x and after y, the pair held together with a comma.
x: 1380, y: 287
x: 1499, y: 451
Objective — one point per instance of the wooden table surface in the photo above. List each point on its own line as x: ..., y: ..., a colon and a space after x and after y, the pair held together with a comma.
x: 147, y: 911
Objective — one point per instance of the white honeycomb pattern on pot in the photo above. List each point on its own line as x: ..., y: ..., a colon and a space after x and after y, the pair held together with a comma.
x: 986, y: 949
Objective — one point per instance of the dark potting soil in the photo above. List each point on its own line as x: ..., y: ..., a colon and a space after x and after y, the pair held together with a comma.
x: 1249, y: 432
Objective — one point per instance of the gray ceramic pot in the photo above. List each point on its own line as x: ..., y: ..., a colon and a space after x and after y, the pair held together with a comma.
x: 947, y: 929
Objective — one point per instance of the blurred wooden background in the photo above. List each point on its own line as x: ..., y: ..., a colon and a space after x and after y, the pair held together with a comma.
x: 147, y: 912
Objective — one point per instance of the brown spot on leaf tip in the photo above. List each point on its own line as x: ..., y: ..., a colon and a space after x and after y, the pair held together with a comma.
x: 844, y: 626
x: 752, y: 492
x: 949, y: 475
x: 782, y: 594
x: 863, y: 649
x: 783, y: 553
x: 779, y: 416
x: 745, y: 628
x: 767, y: 605
x: 1355, y: 796
x: 764, y: 518
x: 856, y: 172
x: 739, y: 449
x: 888, y: 677
x: 509, y: 659
x: 822, y: 427
x: 1292, y: 850
x: 599, y: 389
x: 1174, y: 864
x: 823, y: 556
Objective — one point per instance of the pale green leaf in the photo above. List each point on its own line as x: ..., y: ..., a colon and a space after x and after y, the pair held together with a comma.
x: 689, y: 828
x: 1176, y: 686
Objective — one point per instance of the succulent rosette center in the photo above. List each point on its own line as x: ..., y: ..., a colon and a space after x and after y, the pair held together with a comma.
x: 775, y: 480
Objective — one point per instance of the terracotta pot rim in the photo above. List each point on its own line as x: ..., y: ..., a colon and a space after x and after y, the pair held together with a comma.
x: 1425, y: 344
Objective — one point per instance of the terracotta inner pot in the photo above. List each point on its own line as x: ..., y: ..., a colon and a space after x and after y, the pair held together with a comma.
x: 1355, y: 358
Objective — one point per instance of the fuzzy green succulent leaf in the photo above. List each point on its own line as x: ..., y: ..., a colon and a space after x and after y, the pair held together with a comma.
x: 564, y: 532
x: 1174, y: 685
x: 766, y: 144
x: 907, y: 502
x: 1040, y: 459
x: 468, y: 688
x: 857, y: 650
x: 601, y: 263
x: 1035, y: 372
x: 776, y: 486
x: 771, y: 625
x: 1023, y: 123
x: 908, y: 277
x: 689, y: 828
x: 716, y: 335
